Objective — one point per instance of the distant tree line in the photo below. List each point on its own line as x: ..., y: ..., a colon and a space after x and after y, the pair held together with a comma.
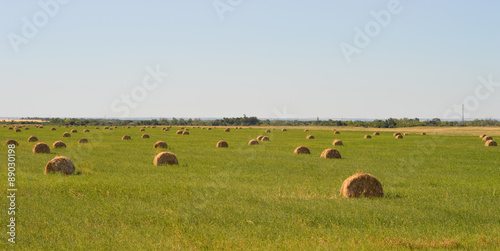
x: 254, y: 121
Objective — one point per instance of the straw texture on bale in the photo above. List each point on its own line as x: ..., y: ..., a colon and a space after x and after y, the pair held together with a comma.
x: 330, y: 154
x: 126, y: 137
x: 65, y: 135
x: 60, y: 164
x: 260, y: 137
x: 11, y: 142
x: 161, y: 144
x: 253, y: 142
x: 376, y: 133
x: 59, y: 144
x: 178, y: 132
x: 86, y: 130
x: 337, y: 142
x: 222, y: 143
x: 32, y: 139
x: 41, y: 147
x: 145, y: 136
x: 309, y: 137
x: 368, y: 136
x: 486, y: 138
x: 264, y: 138
x: 83, y: 141
x: 361, y: 184
x: 165, y: 158
x: 302, y: 150
x: 490, y: 143
x: 482, y: 135
x: 398, y: 136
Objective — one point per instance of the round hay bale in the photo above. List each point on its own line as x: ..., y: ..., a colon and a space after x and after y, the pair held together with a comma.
x: 482, y: 135
x: 265, y: 138
x: 486, y: 138
x: 222, y: 143
x: 97, y: 127
x: 253, y: 142
x: 151, y: 127
x: 10, y: 128
x: 302, y: 150
x: 165, y: 158
x: 53, y: 129
x: 182, y: 128
x: 210, y: 128
x: 260, y: 137
x: 60, y: 164
x: 41, y: 147
x: 27, y: 128
x: 86, y: 130
x: 337, y: 142
x: 361, y: 184
x: 11, y: 142
x: 283, y: 130
x: 330, y: 154
x: 406, y: 133
x: 106, y: 128
x: 59, y: 144
x: 187, y: 129
x: 32, y: 139
x: 423, y: 133
x: 74, y: 131
x: 178, y: 132
x: 490, y: 143
x: 161, y: 144
x: 268, y: 131
x: 18, y: 130
x: 142, y: 129
x: 309, y: 137
x: 65, y: 135
x: 145, y: 136
x: 368, y: 136
x: 83, y: 141
x: 376, y: 133
x: 110, y: 129
x: 398, y: 136
x: 40, y: 127
x: 126, y: 137
x: 336, y: 132
x: 227, y: 130
x: 305, y: 130
x: 185, y: 133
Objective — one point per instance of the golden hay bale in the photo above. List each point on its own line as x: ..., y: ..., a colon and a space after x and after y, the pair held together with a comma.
x: 253, y: 142
x: 106, y: 128
x: 423, y: 133
x: 41, y: 147
x: 309, y: 137
x: 165, y: 158
x: 361, y: 184
x: 330, y: 154
x: 161, y: 144
x: 59, y: 144
x: 203, y: 128
x: 126, y: 137
x: 482, y: 135
x: 337, y: 142
x: 65, y: 135
x: 486, y: 138
x: 111, y: 129
x: 11, y: 142
x: 227, y: 130
x: 86, y: 130
x: 222, y: 143
x: 398, y: 136
x: 368, y: 136
x: 302, y: 150
x: 60, y: 164
x: 268, y: 131
x: 283, y: 130
x: 83, y: 141
x: 185, y: 133
x: 376, y: 133
x: 305, y: 130
x: 265, y: 138
x: 53, y: 129
x: 336, y: 132
x: 178, y: 132
x: 142, y: 129
x: 406, y: 133
x: 32, y: 139
x: 260, y: 137
x: 490, y: 143
x: 74, y: 131
x: 18, y: 130
x: 145, y: 136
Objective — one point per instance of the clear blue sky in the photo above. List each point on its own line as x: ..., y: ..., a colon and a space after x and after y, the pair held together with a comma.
x: 262, y: 58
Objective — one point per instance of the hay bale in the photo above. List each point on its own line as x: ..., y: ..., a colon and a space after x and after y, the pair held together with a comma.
x: 302, y: 150
x: 336, y: 132
x: 59, y: 144
x: 65, y: 135
x: 27, y: 128
x: 126, y: 137
x: 97, y: 127
x: 110, y: 129
x: 187, y: 129
x: 18, y: 130
x: 406, y: 133
x: 165, y: 158
x: 376, y: 133
x: 482, y: 135
x: 74, y: 131
x: 32, y: 139
x: 337, y: 142
x: 368, y: 136
x: 86, y: 130
x: 106, y: 128
x: 83, y: 141
x: 268, y: 131
x: 10, y: 128
x: 305, y: 130
x: 227, y: 130
x: 145, y: 136
x: 361, y: 184
x: 260, y: 137
x: 142, y: 129
x: 185, y: 133
x: 398, y: 136
x: 283, y: 130
x: 330, y: 154
x: 253, y: 142
x: 309, y: 137
x: 423, y: 133
x: 490, y: 143
x: 11, y: 142
x: 265, y: 138
x: 41, y: 147
x: 178, y: 132
x: 161, y: 144
x: 53, y: 129
x: 486, y: 138
x: 210, y: 128
x: 222, y: 143
x: 60, y: 164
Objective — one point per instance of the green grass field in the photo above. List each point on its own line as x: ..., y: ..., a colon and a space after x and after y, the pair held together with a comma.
x: 441, y: 191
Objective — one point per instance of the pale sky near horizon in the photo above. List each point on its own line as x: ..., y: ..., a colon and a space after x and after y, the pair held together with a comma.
x: 270, y: 59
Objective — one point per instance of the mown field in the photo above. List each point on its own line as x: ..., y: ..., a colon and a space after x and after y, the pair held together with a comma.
x: 442, y: 190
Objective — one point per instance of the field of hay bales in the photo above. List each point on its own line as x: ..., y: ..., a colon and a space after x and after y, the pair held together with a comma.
x: 441, y: 190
